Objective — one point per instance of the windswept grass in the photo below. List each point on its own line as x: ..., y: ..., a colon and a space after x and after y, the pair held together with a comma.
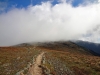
x: 79, y: 61
x: 60, y: 59
x: 14, y: 59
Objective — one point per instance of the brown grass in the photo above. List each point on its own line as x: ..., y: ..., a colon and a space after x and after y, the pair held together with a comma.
x: 14, y: 59
x: 80, y: 62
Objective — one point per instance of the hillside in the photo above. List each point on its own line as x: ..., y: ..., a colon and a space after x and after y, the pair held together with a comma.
x: 93, y: 47
x: 60, y: 58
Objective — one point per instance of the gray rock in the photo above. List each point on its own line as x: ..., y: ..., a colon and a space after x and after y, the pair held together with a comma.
x: 18, y: 73
x: 61, y: 69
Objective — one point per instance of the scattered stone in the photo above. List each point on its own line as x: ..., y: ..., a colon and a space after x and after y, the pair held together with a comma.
x: 19, y: 73
x: 18, y: 58
x: 5, y: 65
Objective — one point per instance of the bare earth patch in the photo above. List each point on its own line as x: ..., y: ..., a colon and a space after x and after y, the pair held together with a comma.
x: 35, y: 68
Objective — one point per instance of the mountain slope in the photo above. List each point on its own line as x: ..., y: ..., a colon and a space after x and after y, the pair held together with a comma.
x: 80, y: 61
x: 60, y: 58
x: 93, y: 47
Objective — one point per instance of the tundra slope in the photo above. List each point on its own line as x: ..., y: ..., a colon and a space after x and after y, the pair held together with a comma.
x: 61, y: 58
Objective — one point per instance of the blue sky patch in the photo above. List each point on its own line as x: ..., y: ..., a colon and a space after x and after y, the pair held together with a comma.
x: 75, y: 3
x: 25, y: 3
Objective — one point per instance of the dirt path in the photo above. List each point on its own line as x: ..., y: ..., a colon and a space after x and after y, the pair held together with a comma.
x: 35, y: 68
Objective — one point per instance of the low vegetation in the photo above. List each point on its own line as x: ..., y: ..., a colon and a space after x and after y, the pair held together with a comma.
x: 14, y: 59
x: 59, y: 59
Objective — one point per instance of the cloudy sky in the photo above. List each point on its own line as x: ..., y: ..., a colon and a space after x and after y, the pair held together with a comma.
x: 49, y: 20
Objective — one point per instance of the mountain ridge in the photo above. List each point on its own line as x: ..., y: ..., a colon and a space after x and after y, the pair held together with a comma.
x: 94, y: 48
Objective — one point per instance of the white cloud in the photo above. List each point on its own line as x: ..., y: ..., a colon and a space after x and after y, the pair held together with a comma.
x: 48, y: 23
x: 92, y: 35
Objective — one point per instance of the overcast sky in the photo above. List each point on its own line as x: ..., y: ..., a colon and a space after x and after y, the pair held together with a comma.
x: 49, y: 20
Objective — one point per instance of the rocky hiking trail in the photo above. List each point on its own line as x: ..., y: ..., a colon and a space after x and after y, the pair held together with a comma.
x: 46, y: 64
x: 35, y: 68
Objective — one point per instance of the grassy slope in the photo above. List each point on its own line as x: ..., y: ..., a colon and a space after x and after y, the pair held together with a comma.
x: 14, y: 59
x: 75, y: 58
x: 59, y: 59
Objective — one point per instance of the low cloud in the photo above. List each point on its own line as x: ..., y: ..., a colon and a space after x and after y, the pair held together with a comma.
x: 47, y: 22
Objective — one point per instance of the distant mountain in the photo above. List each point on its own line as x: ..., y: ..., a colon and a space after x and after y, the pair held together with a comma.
x: 22, y: 45
x: 94, y: 48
